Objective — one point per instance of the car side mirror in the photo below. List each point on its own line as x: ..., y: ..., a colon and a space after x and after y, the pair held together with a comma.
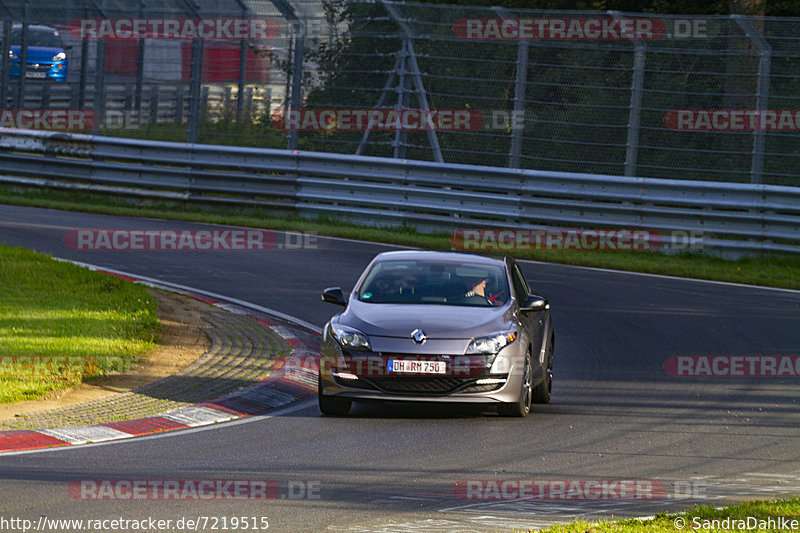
x: 535, y: 303
x: 334, y: 295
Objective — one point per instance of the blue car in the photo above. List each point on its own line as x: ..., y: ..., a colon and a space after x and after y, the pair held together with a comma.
x: 47, y: 53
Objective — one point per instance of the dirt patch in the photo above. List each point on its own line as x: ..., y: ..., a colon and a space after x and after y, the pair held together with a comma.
x: 182, y: 343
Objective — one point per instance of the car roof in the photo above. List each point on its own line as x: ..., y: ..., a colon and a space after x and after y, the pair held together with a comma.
x: 455, y: 257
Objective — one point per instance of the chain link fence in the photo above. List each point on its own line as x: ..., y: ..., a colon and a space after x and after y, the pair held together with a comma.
x: 176, y: 70
x: 682, y: 97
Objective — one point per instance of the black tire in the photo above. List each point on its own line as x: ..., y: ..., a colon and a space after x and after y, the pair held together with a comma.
x: 522, y: 407
x: 543, y: 391
x: 331, y: 405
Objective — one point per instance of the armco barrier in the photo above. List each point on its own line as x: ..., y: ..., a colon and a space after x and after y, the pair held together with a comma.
x: 732, y: 218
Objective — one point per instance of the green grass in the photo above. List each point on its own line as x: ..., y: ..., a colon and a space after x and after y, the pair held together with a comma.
x: 770, y: 270
x: 92, y: 323
x: 760, y: 510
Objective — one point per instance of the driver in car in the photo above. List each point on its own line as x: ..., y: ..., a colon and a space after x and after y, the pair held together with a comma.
x: 478, y: 288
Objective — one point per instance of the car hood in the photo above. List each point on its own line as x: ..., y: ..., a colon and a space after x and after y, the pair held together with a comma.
x: 38, y: 53
x: 437, y: 321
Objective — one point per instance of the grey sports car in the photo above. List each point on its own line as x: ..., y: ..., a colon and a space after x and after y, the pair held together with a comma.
x: 438, y: 327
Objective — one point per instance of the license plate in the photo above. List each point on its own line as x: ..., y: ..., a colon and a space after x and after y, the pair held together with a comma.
x: 30, y: 74
x: 407, y: 366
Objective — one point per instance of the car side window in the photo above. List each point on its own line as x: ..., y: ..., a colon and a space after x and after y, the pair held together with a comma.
x: 520, y: 286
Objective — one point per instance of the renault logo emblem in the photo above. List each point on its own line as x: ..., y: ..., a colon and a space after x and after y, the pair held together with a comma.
x: 419, y: 336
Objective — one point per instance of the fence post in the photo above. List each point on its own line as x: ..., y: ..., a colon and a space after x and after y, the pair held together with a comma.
x: 140, y: 43
x: 23, y: 60
x: 635, y: 111
x: 520, y: 86
x: 242, y: 74
x: 45, y: 96
x: 415, y: 73
x: 154, y: 98
x: 6, y: 63
x: 388, y: 85
x: 762, y: 94
x: 194, y: 91
x: 84, y: 72
x: 139, y: 73
x: 518, y: 118
x: 401, y: 136
x: 99, y: 84
x: 635, y: 114
x: 297, y: 79
x: 179, y: 104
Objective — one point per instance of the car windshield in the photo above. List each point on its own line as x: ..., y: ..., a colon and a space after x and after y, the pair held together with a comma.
x: 435, y: 282
x: 38, y: 37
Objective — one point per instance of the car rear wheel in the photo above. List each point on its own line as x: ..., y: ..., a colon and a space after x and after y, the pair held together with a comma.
x: 543, y: 391
x: 331, y: 405
x: 522, y: 407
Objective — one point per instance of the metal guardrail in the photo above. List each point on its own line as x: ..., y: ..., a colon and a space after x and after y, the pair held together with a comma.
x: 732, y: 218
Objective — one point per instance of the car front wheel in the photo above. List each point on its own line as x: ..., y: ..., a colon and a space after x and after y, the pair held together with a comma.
x: 522, y: 407
x: 331, y: 405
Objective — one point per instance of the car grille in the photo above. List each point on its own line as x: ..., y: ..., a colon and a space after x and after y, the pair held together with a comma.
x: 419, y: 386
x: 431, y: 385
x: 38, y: 67
x: 426, y: 385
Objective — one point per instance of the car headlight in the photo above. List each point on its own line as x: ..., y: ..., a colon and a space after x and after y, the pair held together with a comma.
x: 13, y: 55
x: 61, y: 56
x: 491, y: 344
x: 350, y: 338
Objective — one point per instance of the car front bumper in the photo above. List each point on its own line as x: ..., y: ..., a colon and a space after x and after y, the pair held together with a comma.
x: 336, y: 380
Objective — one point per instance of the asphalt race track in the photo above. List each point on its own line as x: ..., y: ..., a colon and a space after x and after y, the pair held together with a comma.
x: 616, y: 414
